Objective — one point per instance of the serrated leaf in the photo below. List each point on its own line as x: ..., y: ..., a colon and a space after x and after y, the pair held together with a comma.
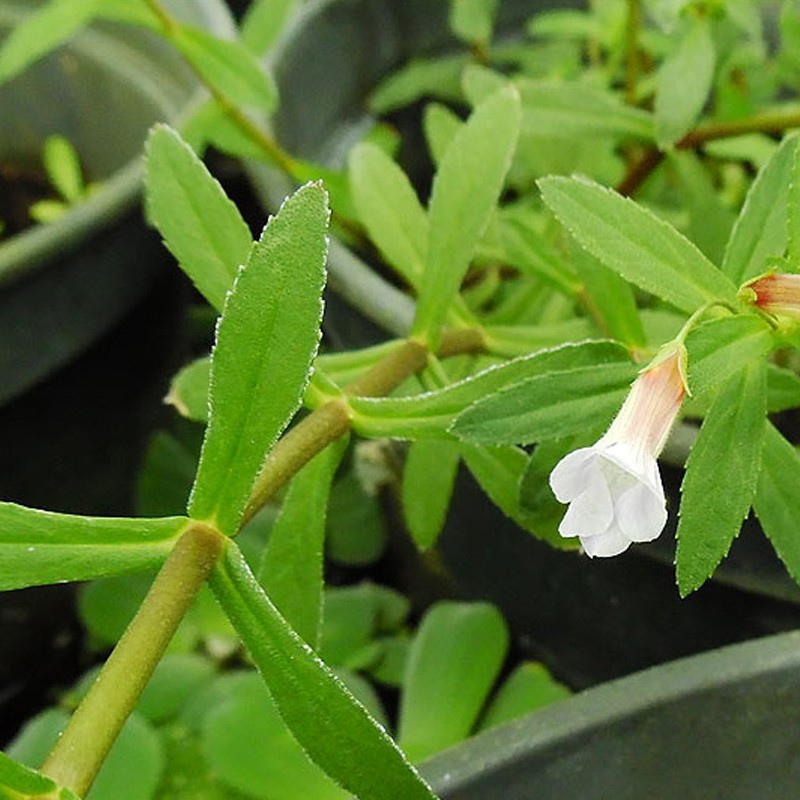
x: 227, y: 66
x: 777, y: 500
x: 684, y: 82
x: 720, y: 347
x: 547, y: 406
x: 760, y: 232
x: 432, y: 413
x: 465, y: 192
x: 335, y: 730
x: 39, y: 547
x: 201, y: 227
x: 635, y: 243
x: 292, y: 566
x: 721, y: 476
x: 428, y: 478
x: 472, y: 21
x: 266, y: 341
x: 571, y: 110
x: 390, y: 210
x: 453, y: 663
x: 20, y: 778
x: 42, y: 31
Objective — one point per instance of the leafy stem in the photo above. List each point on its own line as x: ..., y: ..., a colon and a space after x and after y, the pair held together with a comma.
x: 646, y: 164
x: 276, y: 154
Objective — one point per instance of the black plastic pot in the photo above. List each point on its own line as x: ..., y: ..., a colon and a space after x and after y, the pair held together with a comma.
x: 722, y: 724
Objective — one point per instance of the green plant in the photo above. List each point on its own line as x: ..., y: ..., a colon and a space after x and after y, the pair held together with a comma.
x: 570, y: 290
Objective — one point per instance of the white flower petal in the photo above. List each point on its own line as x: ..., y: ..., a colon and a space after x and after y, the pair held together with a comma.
x: 592, y: 511
x: 610, y: 542
x: 570, y: 476
x: 641, y: 513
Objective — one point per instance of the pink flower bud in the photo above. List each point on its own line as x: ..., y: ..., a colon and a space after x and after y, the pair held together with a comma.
x: 777, y: 293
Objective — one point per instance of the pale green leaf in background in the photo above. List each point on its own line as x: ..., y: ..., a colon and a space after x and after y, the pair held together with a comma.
x: 777, y: 500
x: 39, y: 547
x: 721, y: 476
x: 498, y: 470
x: 266, y: 341
x: 528, y: 688
x: 465, y: 192
x: 633, y: 242
x: 428, y: 478
x: 22, y: 778
x: 263, y: 22
x: 473, y: 20
x: 572, y: 110
x: 684, y: 82
x: 793, y: 213
x: 390, y: 210
x: 547, y: 406
x: 440, y: 124
x: 199, y: 224
x: 248, y: 745
x: 228, y: 66
x: 334, y: 729
x: 63, y: 167
x: 291, y: 570
x: 760, y: 232
x: 42, y: 31
x: 188, y: 390
x: 453, y: 663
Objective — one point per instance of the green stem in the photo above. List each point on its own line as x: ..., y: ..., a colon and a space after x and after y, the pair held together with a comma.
x: 93, y: 728
x: 270, y: 147
x: 332, y: 419
x: 652, y: 157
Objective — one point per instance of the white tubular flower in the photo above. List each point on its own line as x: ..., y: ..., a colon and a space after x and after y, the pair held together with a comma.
x: 614, y: 487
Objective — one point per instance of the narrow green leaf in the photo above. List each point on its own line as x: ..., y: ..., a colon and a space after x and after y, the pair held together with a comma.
x: 439, y: 76
x: 529, y: 688
x: 498, y: 470
x: 432, y: 413
x: 793, y: 213
x: 760, y: 232
x: 465, y: 192
x: 440, y: 124
x: 39, y: 547
x: 188, y: 390
x: 42, y: 31
x: 63, y: 167
x: 710, y: 219
x: 720, y: 347
x: 547, y: 406
x: 574, y: 110
x: 229, y: 67
x: 291, y: 569
x: 473, y: 20
x: 23, y: 779
x: 632, y: 241
x: 777, y: 500
x: 684, y: 82
x: 266, y: 340
x: 428, y: 478
x: 335, y: 730
x: 390, y: 210
x: 263, y: 22
x: 611, y: 301
x: 201, y: 227
x: 783, y: 389
x: 453, y: 663
x: 721, y: 476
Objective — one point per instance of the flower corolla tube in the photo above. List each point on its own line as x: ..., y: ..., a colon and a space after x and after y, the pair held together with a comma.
x: 776, y: 293
x: 614, y: 487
